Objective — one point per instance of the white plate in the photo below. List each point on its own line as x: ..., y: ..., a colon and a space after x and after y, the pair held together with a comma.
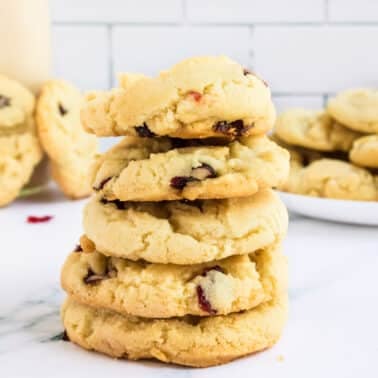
x: 357, y: 212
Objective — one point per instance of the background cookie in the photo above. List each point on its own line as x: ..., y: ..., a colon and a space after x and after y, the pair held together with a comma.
x: 165, y: 290
x: 185, y: 232
x: 332, y: 178
x: 70, y: 148
x: 197, y: 98
x: 365, y: 151
x: 20, y: 153
x: 16, y: 103
x: 140, y: 169
x: 356, y: 109
x: 313, y: 129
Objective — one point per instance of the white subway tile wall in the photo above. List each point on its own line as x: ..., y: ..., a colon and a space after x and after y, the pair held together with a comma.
x: 305, y: 49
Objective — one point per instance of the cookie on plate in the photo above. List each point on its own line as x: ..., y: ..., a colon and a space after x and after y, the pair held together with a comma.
x: 217, y: 339
x: 365, y: 151
x: 71, y: 150
x: 198, y: 98
x: 331, y: 178
x: 165, y: 290
x: 20, y: 153
x: 356, y: 109
x: 188, y: 232
x: 16, y: 103
x: 157, y: 169
x: 313, y: 129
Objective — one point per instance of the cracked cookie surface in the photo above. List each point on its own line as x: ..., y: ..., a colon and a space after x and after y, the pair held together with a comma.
x: 189, y: 340
x: 165, y: 290
x: 198, y: 98
x: 356, y: 109
x: 71, y: 150
x: 313, y: 129
x: 143, y: 169
x: 185, y: 232
x: 364, y: 151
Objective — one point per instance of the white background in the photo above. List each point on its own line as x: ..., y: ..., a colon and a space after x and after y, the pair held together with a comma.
x: 305, y: 49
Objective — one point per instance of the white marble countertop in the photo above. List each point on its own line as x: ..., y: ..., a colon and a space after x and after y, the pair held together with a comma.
x: 332, y: 330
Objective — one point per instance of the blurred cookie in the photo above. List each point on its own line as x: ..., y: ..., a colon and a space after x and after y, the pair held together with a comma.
x: 70, y: 148
x: 157, y: 169
x: 198, y: 98
x: 217, y: 339
x: 356, y: 109
x: 365, y: 151
x: 314, y: 130
x: 332, y: 178
x: 20, y: 153
x: 216, y: 288
x: 16, y: 103
x: 188, y: 232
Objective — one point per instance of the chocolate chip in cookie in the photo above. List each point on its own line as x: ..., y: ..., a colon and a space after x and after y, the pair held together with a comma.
x: 4, y: 101
x: 62, y: 110
x: 144, y: 132
x: 235, y: 128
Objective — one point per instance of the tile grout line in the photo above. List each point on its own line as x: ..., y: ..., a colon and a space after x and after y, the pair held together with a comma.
x: 110, y: 55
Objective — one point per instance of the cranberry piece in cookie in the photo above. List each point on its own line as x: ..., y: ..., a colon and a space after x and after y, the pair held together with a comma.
x: 203, y: 302
x: 144, y: 132
x: 4, y: 101
x: 235, y: 128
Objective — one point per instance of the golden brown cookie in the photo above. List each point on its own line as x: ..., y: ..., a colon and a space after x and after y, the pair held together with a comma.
x: 71, y: 150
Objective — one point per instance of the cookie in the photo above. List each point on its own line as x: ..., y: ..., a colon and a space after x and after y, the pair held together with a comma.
x: 313, y: 129
x: 331, y: 178
x: 365, y: 151
x: 190, y: 340
x: 70, y: 148
x: 198, y: 98
x: 185, y: 232
x: 16, y: 103
x: 142, y: 169
x: 20, y: 153
x: 166, y: 290
x: 356, y: 109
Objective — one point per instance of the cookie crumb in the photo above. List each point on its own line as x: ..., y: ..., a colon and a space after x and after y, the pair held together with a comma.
x: 38, y: 219
x: 280, y: 358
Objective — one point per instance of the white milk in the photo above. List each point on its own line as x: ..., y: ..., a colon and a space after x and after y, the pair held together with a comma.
x: 25, y: 41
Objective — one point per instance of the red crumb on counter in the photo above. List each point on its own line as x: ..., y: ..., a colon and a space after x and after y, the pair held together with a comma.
x: 38, y: 219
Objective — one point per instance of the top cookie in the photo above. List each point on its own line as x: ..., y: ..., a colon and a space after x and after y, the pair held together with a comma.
x: 356, y: 109
x: 69, y: 147
x: 16, y: 103
x: 313, y: 129
x: 197, y: 98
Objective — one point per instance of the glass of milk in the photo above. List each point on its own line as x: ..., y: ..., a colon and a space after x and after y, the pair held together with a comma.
x: 25, y: 50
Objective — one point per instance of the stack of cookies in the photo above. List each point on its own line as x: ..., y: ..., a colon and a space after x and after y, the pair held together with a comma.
x: 20, y: 151
x: 181, y: 256
x: 334, y: 153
